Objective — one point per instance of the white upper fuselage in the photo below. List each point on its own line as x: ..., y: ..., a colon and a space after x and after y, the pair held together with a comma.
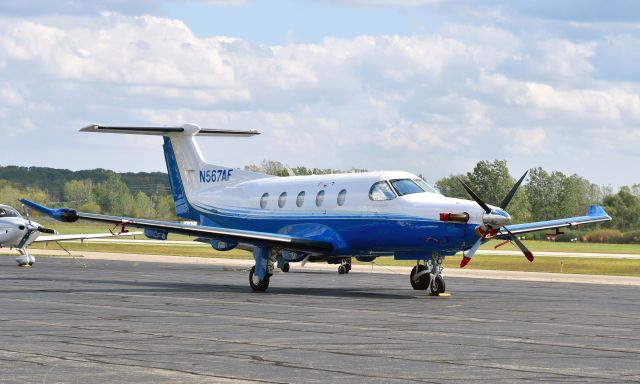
x: 340, y: 194
x: 13, y: 228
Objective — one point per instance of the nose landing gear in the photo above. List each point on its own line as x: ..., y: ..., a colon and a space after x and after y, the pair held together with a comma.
x: 427, y: 274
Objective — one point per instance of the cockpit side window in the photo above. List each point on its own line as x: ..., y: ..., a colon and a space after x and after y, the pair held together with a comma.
x: 8, y: 212
x: 406, y: 187
x: 381, y: 191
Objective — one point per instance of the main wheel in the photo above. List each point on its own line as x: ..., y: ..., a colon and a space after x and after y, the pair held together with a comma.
x: 423, y: 281
x: 285, y: 267
x: 342, y: 270
x: 255, y: 282
x: 437, y: 285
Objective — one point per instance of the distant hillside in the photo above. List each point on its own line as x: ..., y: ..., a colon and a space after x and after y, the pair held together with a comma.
x: 52, y: 180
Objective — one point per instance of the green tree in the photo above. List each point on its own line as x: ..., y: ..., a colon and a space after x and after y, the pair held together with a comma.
x: 624, y: 207
x: 492, y: 182
x: 142, y: 206
x: 78, y: 192
x: 450, y: 186
x: 90, y: 206
x: 113, y: 196
x: 164, y: 206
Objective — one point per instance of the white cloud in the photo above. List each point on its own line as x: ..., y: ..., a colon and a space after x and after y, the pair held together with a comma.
x: 430, y: 103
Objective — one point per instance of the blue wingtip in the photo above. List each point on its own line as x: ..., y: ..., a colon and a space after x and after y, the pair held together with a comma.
x: 36, y: 206
x: 61, y: 214
x: 596, y: 210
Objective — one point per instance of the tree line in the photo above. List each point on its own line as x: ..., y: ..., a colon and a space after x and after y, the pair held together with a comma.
x: 543, y: 196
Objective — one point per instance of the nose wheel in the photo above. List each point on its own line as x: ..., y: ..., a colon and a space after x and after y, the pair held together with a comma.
x: 437, y: 286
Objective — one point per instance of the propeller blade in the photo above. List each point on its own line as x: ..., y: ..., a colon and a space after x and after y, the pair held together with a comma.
x: 475, y: 197
x: 47, y: 230
x: 26, y: 213
x: 467, y: 257
x: 520, y: 244
x: 512, y: 192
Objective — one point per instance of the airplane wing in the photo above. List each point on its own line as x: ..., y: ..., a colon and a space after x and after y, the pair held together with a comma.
x: 46, y: 239
x: 596, y: 214
x: 224, y: 234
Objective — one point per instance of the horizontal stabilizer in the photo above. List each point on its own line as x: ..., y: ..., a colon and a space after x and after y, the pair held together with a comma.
x: 183, y: 130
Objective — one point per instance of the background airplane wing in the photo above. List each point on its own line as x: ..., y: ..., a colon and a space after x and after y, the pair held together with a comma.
x: 596, y: 214
x: 86, y: 236
x: 224, y: 234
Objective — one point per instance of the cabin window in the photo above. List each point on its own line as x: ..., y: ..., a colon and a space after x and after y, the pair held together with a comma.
x: 282, y: 199
x: 300, y: 199
x: 341, y: 196
x: 406, y: 187
x: 319, y: 198
x: 263, y: 200
x: 381, y: 191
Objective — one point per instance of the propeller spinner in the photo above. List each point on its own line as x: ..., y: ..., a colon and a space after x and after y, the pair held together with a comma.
x: 493, y: 220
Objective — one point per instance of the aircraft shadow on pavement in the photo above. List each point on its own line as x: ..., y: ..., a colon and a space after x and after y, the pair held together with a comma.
x: 137, y: 287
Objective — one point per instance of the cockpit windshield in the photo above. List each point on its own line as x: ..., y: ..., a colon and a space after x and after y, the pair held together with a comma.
x: 8, y: 212
x: 424, y: 185
x: 405, y: 186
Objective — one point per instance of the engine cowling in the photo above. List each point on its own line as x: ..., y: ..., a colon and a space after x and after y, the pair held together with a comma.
x: 67, y: 215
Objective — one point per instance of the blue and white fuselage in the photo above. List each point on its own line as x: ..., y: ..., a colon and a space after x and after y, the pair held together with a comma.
x: 340, y: 208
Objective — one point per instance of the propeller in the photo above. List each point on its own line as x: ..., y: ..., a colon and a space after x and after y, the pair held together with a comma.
x: 39, y: 228
x: 493, y: 222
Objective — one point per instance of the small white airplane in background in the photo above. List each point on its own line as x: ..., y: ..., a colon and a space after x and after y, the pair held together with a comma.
x: 19, y: 232
x: 320, y: 217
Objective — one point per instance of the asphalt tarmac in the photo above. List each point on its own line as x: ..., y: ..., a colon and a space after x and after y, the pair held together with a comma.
x: 77, y: 321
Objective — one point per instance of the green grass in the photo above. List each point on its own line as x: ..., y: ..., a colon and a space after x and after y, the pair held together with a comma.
x: 552, y: 246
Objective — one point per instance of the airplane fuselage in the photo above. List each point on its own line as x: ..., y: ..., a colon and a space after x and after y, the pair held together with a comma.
x: 14, y: 228
x: 345, y: 208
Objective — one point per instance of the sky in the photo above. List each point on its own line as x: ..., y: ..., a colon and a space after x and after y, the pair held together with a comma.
x: 426, y: 86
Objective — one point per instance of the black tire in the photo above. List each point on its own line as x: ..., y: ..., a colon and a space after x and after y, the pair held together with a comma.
x: 342, y: 270
x: 285, y: 267
x: 423, y: 281
x: 438, y: 286
x: 258, y: 285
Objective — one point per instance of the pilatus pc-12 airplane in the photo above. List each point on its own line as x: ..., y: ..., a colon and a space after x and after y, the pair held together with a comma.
x: 320, y: 217
x: 20, y: 232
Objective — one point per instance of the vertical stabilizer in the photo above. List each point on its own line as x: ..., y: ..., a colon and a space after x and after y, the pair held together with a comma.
x: 189, y: 173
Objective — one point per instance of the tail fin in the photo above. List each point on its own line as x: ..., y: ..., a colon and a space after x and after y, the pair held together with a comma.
x: 189, y: 173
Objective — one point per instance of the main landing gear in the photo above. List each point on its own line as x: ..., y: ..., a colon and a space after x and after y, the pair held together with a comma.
x: 257, y: 284
x: 345, y: 266
x: 261, y: 272
x: 428, y: 274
